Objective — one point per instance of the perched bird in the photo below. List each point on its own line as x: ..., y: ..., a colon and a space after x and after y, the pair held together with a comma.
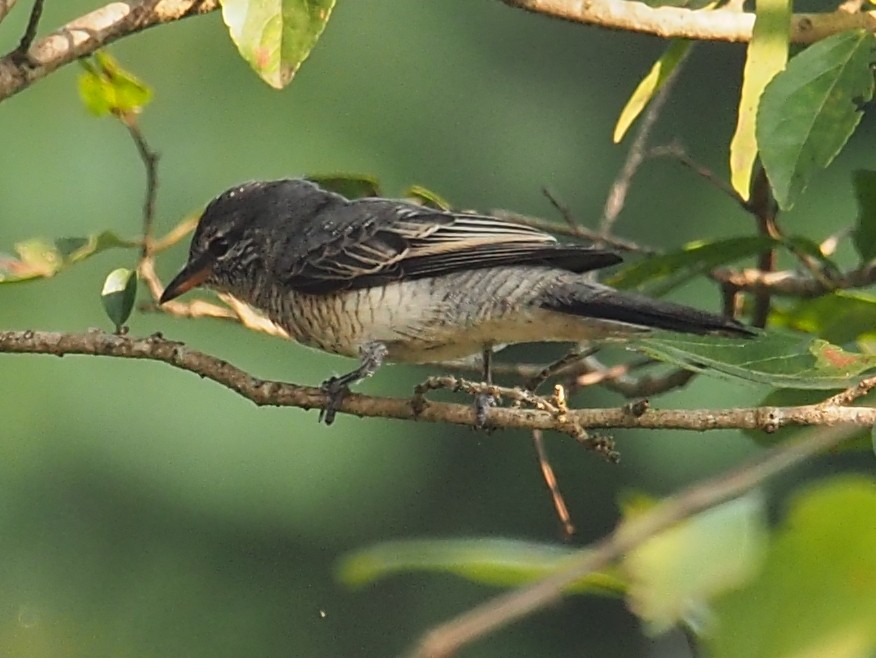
x: 386, y: 280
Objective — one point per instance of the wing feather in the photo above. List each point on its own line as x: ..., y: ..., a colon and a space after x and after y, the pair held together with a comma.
x: 375, y: 241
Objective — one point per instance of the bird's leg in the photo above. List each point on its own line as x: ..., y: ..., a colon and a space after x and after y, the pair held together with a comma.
x: 371, y: 357
x: 483, y: 401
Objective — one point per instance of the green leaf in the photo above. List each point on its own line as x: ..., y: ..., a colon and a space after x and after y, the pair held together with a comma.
x: 789, y: 397
x: 425, y: 197
x: 348, y: 185
x: 650, y: 85
x: 816, y: 594
x: 38, y: 258
x: 773, y: 358
x: 809, y: 111
x: 677, y: 267
x: 503, y: 562
x: 107, y: 88
x: 118, y: 295
x: 840, y: 317
x: 864, y: 236
x: 276, y: 36
x: 767, y: 55
x: 673, y: 575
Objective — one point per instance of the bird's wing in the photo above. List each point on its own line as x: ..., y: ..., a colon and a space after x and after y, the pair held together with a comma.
x: 372, y: 242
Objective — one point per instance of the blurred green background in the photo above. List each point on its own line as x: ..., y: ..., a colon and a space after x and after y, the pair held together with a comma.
x: 145, y: 512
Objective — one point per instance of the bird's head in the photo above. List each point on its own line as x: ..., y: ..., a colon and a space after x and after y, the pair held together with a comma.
x: 234, y: 232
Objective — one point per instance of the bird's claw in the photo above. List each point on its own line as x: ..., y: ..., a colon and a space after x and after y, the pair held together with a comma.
x: 336, y: 390
x: 482, y: 404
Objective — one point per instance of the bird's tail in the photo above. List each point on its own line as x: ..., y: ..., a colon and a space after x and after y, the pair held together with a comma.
x: 597, y: 301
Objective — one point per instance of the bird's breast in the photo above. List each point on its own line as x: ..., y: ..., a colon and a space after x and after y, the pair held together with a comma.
x: 433, y: 319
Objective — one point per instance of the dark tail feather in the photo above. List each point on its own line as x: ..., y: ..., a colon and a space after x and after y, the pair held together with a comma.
x: 592, y: 301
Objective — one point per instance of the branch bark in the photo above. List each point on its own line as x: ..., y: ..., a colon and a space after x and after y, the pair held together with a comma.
x: 157, y: 348
x: 701, y: 24
x: 88, y: 33
x: 795, y: 284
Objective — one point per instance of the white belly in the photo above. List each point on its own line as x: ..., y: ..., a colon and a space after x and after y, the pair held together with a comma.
x: 423, y: 320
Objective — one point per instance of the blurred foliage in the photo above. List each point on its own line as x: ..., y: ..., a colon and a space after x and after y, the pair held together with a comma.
x: 148, y: 513
x: 493, y: 561
x: 106, y: 88
x: 814, y: 595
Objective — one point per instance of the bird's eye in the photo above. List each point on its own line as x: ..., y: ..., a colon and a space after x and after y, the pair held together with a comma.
x: 218, y: 246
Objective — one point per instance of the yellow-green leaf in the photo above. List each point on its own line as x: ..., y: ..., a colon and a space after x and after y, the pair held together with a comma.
x: 38, y: 258
x: 106, y: 88
x: 426, y: 197
x: 767, y: 56
x: 352, y: 186
x: 650, y: 85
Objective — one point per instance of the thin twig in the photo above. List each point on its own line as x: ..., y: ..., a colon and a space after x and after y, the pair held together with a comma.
x: 576, y: 231
x: 444, y: 640
x: 550, y: 479
x: 564, y: 210
x: 829, y: 245
x: 637, y: 153
x: 637, y: 387
x: 235, y: 311
x: 555, y: 405
x: 794, y: 284
x: 557, y: 366
x: 846, y: 397
x: 21, y: 51
x: 675, y: 151
x: 763, y: 207
x: 177, y: 233
x: 150, y: 162
x: 5, y: 7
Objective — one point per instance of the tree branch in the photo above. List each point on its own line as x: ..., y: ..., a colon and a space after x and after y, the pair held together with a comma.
x: 157, y: 348
x: 794, y: 284
x: 446, y: 639
x: 701, y: 24
x: 90, y: 32
x: 5, y: 7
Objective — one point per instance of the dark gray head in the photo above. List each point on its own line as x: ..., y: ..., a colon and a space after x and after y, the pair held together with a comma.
x: 236, y: 230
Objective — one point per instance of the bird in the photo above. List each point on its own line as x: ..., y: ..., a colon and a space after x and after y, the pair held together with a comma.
x: 386, y: 280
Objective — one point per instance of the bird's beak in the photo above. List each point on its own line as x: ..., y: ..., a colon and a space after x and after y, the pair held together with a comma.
x: 192, y: 275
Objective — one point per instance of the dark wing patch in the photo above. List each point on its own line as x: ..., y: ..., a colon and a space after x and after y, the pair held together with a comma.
x: 377, y: 241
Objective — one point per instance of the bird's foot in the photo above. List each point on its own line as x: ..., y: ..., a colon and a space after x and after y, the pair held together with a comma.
x: 337, y: 388
x: 482, y: 403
